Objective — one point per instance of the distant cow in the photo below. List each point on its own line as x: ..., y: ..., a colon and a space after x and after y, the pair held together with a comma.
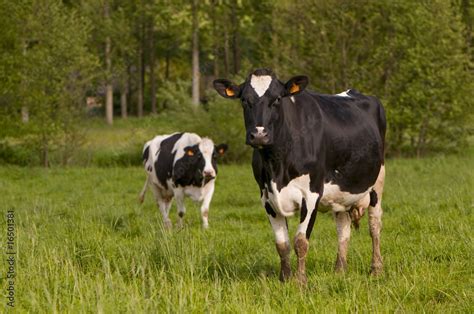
x: 179, y: 165
x: 313, y: 152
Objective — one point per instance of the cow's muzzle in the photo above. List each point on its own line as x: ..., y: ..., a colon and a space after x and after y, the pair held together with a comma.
x: 259, y: 137
x: 208, y: 176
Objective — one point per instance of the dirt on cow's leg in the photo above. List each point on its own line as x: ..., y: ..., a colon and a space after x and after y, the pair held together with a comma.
x: 285, y: 267
x: 301, y: 249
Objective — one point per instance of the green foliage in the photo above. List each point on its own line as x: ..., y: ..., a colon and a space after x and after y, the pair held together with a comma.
x: 52, y: 68
x: 416, y: 56
x: 90, y: 247
x: 410, y: 54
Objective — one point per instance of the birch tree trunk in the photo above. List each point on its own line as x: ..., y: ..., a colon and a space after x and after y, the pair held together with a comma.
x: 195, y: 61
x: 109, y: 104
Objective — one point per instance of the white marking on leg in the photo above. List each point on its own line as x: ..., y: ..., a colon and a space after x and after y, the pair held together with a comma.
x: 310, y: 208
x: 375, y: 224
x: 343, y: 227
x: 205, y: 204
x: 260, y: 84
x: 279, y: 229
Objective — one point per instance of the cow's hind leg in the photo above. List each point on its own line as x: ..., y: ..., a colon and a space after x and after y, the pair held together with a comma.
x: 141, y: 197
x: 164, y: 205
x: 282, y: 240
x: 375, y: 224
x: 343, y: 227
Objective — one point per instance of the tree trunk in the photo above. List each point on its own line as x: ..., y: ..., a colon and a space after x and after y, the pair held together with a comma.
x: 152, y: 71
x: 141, y: 78
x: 216, y: 38
x: 167, y: 66
x: 123, y: 96
x: 25, y: 114
x: 422, y: 137
x: 44, y: 151
x: 235, y: 37
x: 226, y: 54
x: 344, y: 64
x: 195, y: 59
x: 109, y: 103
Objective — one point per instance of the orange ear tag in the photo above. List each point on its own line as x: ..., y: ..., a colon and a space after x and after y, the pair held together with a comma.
x: 294, y: 88
x: 221, y: 151
x: 190, y: 153
x: 229, y: 92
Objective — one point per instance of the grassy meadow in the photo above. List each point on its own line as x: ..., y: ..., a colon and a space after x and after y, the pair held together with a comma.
x: 85, y: 245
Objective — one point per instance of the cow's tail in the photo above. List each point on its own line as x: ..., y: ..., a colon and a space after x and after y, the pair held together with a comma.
x: 146, y: 153
x: 383, y: 127
x: 145, y: 157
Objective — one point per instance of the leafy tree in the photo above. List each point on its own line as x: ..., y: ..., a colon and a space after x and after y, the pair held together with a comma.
x: 55, y: 67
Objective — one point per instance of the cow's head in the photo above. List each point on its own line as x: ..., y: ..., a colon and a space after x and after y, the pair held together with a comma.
x: 198, y: 163
x: 261, y: 95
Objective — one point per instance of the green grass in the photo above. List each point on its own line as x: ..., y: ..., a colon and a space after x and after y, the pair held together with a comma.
x: 85, y: 245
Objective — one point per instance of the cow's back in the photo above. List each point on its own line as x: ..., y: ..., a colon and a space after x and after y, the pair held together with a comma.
x: 158, y: 157
x: 354, y: 131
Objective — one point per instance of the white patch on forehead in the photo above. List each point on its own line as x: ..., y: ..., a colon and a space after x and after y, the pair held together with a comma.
x: 207, y: 148
x: 260, y: 83
x: 344, y: 94
x: 260, y: 129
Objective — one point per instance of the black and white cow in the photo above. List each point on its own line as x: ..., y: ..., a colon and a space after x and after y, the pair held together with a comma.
x: 313, y: 152
x: 179, y: 165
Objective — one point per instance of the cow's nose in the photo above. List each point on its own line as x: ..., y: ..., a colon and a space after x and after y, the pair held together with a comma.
x: 260, y: 137
x: 208, y: 174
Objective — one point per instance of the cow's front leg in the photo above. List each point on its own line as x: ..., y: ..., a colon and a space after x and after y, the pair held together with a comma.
x: 205, y: 204
x: 179, y: 195
x: 282, y: 240
x: 307, y: 219
x: 165, y: 211
x: 343, y: 227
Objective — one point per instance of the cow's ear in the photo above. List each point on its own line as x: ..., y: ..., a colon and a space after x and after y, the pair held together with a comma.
x: 221, y: 149
x: 226, y: 88
x: 296, y: 84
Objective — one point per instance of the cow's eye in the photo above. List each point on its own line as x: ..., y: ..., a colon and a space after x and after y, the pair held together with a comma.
x: 276, y: 102
x: 246, y: 104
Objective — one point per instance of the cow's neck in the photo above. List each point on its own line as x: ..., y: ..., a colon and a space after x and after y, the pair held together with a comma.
x: 296, y: 145
x: 278, y: 159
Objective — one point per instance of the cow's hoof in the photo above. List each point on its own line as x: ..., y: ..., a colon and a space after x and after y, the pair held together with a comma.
x: 205, y: 226
x: 340, y: 267
x: 285, y: 276
x: 180, y: 224
x: 376, y: 270
x: 141, y: 198
x: 168, y: 225
x: 301, y: 279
